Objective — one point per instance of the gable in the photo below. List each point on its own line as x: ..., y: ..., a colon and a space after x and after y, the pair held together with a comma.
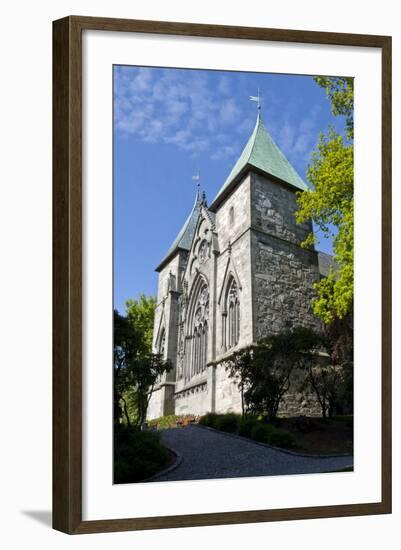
x: 204, y: 244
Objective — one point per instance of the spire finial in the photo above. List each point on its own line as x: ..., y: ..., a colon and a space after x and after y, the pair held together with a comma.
x: 257, y: 99
x: 196, y: 178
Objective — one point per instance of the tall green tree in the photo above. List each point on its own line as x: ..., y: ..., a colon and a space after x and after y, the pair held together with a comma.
x: 330, y: 202
x: 136, y: 368
x: 126, y: 340
x: 141, y: 313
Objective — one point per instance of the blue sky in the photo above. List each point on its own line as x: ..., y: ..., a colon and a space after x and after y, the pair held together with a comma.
x: 170, y: 123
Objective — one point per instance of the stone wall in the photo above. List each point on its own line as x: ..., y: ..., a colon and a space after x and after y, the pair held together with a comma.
x: 162, y: 313
x: 273, y: 210
x: 283, y: 277
x: 234, y: 216
x: 162, y: 402
x: 236, y: 260
x: 296, y: 402
x: 192, y: 400
x: 228, y: 397
x: 155, y: 407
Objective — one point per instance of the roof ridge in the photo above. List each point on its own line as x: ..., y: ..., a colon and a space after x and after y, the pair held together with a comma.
x: 185, y: 234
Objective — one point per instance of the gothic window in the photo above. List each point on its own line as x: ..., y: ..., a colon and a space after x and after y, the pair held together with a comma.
x: 231, y: 316
x: 196, y: 350
x: 162, y: 342
x: 203, y: 251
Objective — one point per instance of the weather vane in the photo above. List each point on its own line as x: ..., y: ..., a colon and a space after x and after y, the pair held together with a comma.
x: 196, y: 178
x: 257, y: 99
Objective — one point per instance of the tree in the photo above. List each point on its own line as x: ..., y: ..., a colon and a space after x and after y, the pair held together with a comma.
x: 145, y: 370
x: 330, y: 202
x: 125, y: 348
x: 263, y: 371
x: 239, y: 366
x: 136, y: 368
x: 340, y: 341
x: 141, y: 314
x: 325, y: 382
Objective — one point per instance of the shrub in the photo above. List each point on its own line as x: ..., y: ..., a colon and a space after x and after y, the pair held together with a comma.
x: 137, y: 454
x: 246, y: 424
x: 164, y: 422
x: 227, y: 422
x: 209, y: 419
x: 282, y: 438
x: 262, y: 432
x: 267, y: 433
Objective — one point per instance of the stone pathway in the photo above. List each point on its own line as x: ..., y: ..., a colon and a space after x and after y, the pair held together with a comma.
x: 207, y: 454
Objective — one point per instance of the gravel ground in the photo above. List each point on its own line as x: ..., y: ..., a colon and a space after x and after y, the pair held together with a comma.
x: 207, y: 454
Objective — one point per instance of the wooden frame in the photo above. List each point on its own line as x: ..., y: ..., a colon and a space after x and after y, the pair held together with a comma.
x: 67, y: 274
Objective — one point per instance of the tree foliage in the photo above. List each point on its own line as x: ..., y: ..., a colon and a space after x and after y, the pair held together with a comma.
x: 325, y: 382
x: 340, y: 341
x: 136, y: 368
x: 126, y: 341
x: 340, y: 91
x: 263, y: 371
x: 332, y: 386
x: 330, y: 202
x: 140, y: 314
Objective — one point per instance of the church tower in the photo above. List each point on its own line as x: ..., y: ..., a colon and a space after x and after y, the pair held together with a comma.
x: 235, y: 273
x: 281, y: 273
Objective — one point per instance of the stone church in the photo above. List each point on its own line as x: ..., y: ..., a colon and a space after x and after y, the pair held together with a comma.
x: 235, y: 273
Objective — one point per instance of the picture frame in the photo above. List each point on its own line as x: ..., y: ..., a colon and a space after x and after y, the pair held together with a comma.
x: 67, y: 273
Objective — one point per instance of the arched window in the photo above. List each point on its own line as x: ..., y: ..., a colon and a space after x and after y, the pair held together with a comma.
x: 196, y: 349
x: 231, y: 316
x: 162, y: 342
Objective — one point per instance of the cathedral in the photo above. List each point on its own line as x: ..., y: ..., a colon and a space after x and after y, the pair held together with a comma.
x: 235, y: 273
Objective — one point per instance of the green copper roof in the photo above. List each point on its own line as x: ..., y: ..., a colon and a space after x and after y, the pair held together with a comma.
x: 262, y: 153
x: 185, y: 236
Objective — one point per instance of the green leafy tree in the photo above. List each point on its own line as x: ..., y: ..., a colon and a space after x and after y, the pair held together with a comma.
x: 141, y: 314
x: 326, y: 383
x: 125, y: 345
x: 145, y: 370
x: 136, y: 368
x: 330, y: 202
x: 263, y: 371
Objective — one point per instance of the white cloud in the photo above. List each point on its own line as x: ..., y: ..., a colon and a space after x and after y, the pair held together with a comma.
x: 224, y: 86
x: 229, y: 113
x: 297, y: 138
x: 180, y: 138
x: 180, y: 108
x: 225, y: 152
x: 183, y: 109
x: 142, y: 82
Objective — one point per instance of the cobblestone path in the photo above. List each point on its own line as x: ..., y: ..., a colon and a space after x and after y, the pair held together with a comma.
x: 207, y: 454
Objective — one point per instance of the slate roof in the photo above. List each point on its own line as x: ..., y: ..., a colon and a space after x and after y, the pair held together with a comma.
x: 263, y: 154
x: 183, y: 240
